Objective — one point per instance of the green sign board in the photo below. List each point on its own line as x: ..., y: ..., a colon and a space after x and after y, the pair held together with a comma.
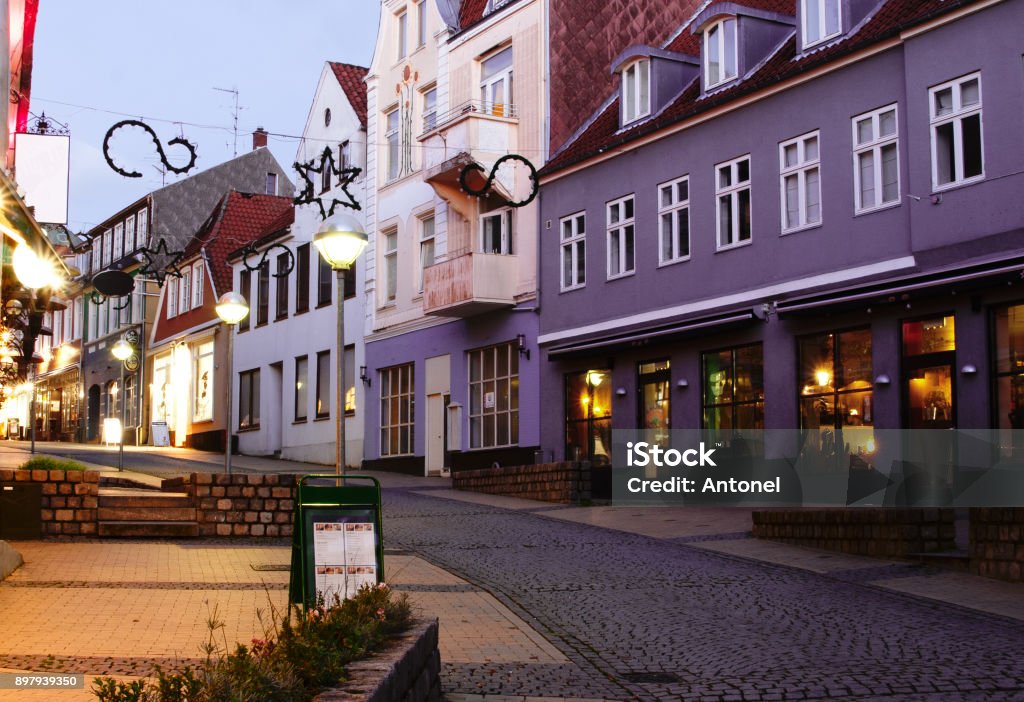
x: 337, y: 543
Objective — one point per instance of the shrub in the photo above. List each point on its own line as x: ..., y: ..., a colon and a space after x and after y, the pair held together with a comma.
x: 299, y: 655
x: 51, y: 463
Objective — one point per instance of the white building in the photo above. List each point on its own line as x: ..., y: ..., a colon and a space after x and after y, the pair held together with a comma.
x: 285, y: 358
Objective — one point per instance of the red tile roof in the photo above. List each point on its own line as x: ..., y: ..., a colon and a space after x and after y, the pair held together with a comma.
x: 238, y: 219
x: 351, y: 79
x: 892, y: 17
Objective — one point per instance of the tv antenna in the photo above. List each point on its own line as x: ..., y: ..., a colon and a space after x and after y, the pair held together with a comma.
x: 233, y: 91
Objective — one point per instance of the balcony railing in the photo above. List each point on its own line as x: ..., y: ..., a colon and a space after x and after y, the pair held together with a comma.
x: 434, y: 120
x: 470, y: 284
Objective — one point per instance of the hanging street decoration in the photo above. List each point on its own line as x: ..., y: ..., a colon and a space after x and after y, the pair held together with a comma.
x: 176, y: 141
x: 480, y: 192
x: 160, y: 262
x: 327, y: 165
x: 250, y: 250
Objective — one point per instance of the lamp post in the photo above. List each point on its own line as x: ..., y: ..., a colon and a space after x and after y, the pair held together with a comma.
x: 232, y: 309
x: 340, y: 239
x: 122, y: 351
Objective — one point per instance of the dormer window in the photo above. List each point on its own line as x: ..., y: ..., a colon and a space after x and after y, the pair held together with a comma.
x: 636, y: 91
x: 720, y: 53
x: 821, y: 20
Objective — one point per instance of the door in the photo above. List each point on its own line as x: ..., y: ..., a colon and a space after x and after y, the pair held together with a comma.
x: 93, y: 427
x: 653, y: 406
x: 436, y: 432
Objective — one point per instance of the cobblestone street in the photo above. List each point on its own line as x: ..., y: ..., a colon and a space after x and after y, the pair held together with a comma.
x: 641, y: 618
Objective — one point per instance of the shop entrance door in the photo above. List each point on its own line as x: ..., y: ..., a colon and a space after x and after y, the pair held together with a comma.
x: 929, y: 373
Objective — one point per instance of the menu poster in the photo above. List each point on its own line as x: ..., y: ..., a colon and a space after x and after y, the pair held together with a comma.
x: 344, y: 558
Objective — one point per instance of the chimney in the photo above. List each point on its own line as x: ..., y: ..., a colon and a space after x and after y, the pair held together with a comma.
x: 259, y: 138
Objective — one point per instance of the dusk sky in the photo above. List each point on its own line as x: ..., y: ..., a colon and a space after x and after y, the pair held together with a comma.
x: 162, y: 61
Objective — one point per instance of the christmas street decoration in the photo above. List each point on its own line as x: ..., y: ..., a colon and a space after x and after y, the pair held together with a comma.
x: 534, y: 183
x: 176, y: 141
x: 327, y: 165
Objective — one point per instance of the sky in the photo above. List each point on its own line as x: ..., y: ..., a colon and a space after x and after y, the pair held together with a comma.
x: 161, y: 60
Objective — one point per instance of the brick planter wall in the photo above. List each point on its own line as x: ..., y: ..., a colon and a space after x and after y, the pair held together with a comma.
x: 409, y: 671
x: 242, y: 505
x: 997, y: 542
x: 566, y: 483
x: 883, y: 533
x: 70, y: 499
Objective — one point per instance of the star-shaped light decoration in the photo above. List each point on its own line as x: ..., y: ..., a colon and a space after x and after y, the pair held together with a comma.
x: 308, y: 193
x: 160, y: 262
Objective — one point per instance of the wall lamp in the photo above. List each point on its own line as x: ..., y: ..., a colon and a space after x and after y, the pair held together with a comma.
x: 363, y: 376
x: 882, y: 380
x: 682, y: 384
x: 521, y: 342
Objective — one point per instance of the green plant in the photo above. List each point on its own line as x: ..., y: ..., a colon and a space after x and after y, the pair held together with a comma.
x: 299, y: 654
x: 50, y: 463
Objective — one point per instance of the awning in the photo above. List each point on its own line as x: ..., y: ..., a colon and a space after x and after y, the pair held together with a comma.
x: 679, y: 329
x: 962, y: 278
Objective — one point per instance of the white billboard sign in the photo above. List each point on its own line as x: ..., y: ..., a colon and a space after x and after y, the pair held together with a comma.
x: 41, y: 167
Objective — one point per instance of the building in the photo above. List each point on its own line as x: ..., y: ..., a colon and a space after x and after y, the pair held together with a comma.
x: 165, y: 219
x: 285, y: 355
x: 188, y: 342
x: 452, y: 277
x: 788, y: 216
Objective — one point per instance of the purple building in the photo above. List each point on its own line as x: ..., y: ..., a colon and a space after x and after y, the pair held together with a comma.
x: 796, y: 214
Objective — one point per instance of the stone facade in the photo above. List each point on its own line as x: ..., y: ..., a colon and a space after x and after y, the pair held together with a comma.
x: 997, y: 543
x: 242, y: 505
x: 410, y: 671
x: 565, y: 483
x: 70, y: 499
x: 879, y: 532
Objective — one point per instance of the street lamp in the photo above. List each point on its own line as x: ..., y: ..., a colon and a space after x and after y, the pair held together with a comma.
x: 232, y: 309
x: 340, y: 239
x: 122, y: 351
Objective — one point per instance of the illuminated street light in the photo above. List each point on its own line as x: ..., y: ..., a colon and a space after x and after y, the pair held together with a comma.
x: 122, y: 350
x: 32, y: 271
x: 232, y: 309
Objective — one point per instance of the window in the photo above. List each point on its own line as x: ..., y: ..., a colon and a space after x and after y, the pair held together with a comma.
x: 271, y: 184
x: 249, y: 399
x: 494, y: 396
x: 390, y: 266
x: 588, y: 416
x: 282, y: 285
x: 496, y: 84
x: 429, y: 109
x: 345, y: 155
x: 323, y: 384
x: 138, y: 305
x: 836, y: 385
x: 350, y: 379
x: 734, y: 388
x: 1009, y: 378
x: 185, y: 291
x: 403, y: 35
x: 426, y: 245
x: 301, y: 388
x: 636, y: 91
x: 263, y: 293
x: 349, y: 282
x: 142, y: 229
x: 197, y: 284
x: 956, y: 131
x: 876, y: 161
x: 325, y: 178
x: 496, y: 232
x: 301, y: 278
x: 131, y: 418
x: 821, y: 20
x: 327, y: 117
x: 620, y: 237
x: 77, y: 334
x: 391, y: 135
x: 574, y: 251
x: 732, y: 185
x: 129, y: 235
x: 397, y: 410
x: 172, y: 297
x: 421, y: 23
x: 720, y: 53
x: 118, y: 241
x: 202, y: 392
x: 653, y: 383
x: 674, y: 221
x: 108, y: 247
x: 245, y: 290
x: 800, y: 179
x: 324, y: 272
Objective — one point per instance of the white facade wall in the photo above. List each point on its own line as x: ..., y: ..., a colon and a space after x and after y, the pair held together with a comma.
x: 274, y: 347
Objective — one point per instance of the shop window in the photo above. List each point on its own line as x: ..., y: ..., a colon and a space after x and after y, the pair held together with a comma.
x: 929, y: 373
x: 1009, y: 380
x: 734, y: 388
x: 397, y: 410
x: 494, y: 396
x: 653, y: 380
x: 588, y: 416
x: 836, y: 398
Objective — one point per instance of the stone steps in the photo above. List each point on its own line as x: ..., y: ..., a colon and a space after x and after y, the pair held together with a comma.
x: 142, y: 513
x: 150, y: 529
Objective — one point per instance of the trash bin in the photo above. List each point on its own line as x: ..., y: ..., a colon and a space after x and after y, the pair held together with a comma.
x: 21, y: 511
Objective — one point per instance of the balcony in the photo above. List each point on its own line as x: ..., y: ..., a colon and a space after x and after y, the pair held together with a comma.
x: 470, y: 284
x: 485, y: 130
